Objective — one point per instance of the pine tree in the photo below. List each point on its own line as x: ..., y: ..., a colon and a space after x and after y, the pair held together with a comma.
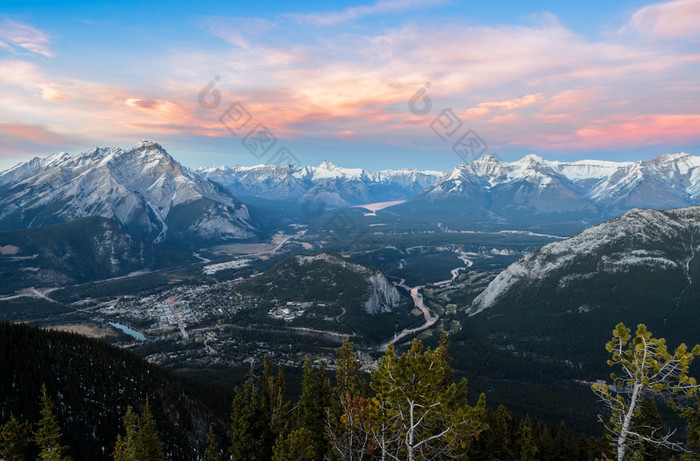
x: 647, y: 366
x: 296, y: 446
x: 148, y: 446
x: 125, y: 448
x: 692, y: 446
x: 14, y: 439
x: 526, y: 442
x: 497, y: 442
x: 247, y: 425
x: 48, y: 432
x: 140, y: 441
x: 346, y: 425
x: 416, y: 411
x: 212, y: 451
x: 312, y: 406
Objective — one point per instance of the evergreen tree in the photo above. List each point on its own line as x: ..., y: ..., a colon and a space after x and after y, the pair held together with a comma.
x: 212, y: 451
x: 415, y: 412
x: 647, y: 423
x: 346, y: 417
x: 148, y: 447
x: 348, y: 376
x: 312, y: 407
x: 692, y: 446
x: 14, y: 439
x: 247, y: 425
x: 140, y: 441
x: 496, y: 443
x: 125, y: 448
x: 48, y: 432
x: 280, y: 405
x: 646, y: 366
x: 296, y: 446
x: 526, y: 442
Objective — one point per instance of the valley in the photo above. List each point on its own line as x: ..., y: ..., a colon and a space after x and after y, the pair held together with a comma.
x: 377, y: 258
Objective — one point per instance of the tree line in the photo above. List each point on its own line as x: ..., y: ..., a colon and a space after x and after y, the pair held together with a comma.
x: 411, y: 408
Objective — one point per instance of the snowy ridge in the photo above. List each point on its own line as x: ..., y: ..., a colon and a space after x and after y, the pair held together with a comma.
x: 139, y: 187
x: 594, y: 186
x: 335, y: 185
x: 618, y: 245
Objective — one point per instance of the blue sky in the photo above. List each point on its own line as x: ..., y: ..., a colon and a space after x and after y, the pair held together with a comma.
x: 564, y: 80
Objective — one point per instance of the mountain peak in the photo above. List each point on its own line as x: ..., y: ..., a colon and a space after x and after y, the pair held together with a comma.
x: 327, y: 165
x: 487, y: 159
x: 531, y: 158
x: 145, y: 144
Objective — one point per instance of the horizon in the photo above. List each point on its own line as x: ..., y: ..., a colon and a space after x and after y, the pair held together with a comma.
x: 344, y: 166
x: 382, y: 84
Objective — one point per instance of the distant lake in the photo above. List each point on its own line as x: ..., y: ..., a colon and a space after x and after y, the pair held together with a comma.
x: 133, y: 333
x: 374, y: 207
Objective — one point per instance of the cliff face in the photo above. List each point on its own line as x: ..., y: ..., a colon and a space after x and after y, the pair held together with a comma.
x: 384, y: 297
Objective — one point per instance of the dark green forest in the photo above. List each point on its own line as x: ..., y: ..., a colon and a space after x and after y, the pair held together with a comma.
x: 64, y: 396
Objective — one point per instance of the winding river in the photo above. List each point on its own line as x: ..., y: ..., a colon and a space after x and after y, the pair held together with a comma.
x: 430, y: 319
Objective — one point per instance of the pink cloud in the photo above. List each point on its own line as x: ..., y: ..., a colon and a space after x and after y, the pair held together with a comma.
x: 356, y: 12
x: 28, y: 76
x: 18, y: 37
x: 509, y: 104
x: 669, y: 20
x: 641, y: 130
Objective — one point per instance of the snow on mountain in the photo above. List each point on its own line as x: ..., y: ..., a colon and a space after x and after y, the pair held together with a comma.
x: 641, y: 239
x: 143, y: 188
x: 594, y: 186
x: 335, y: 185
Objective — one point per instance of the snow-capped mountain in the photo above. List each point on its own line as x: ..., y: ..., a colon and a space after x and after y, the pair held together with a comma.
x: 143, y: 188
x: 535, y: 185
x: 661, y: 245
x: 334, y: 185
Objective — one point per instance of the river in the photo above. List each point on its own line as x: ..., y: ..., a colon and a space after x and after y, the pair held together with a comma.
x: 418, y: 302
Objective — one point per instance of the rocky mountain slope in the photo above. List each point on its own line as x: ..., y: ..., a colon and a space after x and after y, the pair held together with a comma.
x: 77, y: 251
x: 328, y: 277
x: 643, y: 267
x: 143, y: 188
x: 362, y: 297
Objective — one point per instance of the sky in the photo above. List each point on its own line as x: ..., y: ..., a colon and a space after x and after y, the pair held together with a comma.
x: 375, y: 84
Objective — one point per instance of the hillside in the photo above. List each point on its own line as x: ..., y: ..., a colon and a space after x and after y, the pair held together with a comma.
x: 77, y: 251
x: 367, y: 302
x: 640, y: 268
x: 93, y: 383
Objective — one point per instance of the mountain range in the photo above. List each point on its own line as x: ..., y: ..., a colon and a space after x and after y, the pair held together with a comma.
x: 155, y: 198
x: 143, y: 188
x: 487, y: 191
x: 533, y: 189
x: 334, y: 185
